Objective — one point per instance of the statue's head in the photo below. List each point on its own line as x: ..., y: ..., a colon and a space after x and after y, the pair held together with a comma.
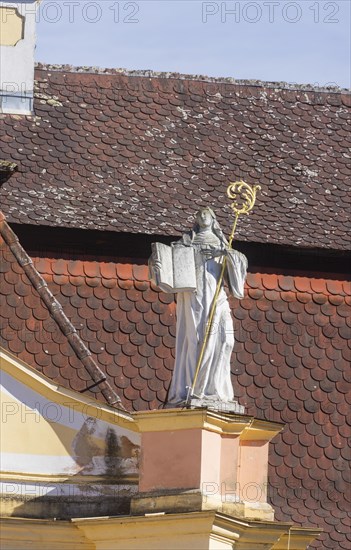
x: 205, y: 218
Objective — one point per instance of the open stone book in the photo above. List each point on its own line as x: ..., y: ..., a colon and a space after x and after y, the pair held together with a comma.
x: 172, y: 268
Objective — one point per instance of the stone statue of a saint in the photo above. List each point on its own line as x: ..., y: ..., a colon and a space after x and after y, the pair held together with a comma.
x: 213, y: 383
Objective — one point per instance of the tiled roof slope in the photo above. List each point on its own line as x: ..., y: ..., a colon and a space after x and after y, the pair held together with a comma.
x: 291, y: 364
x: 138, y: 152
x: 30, y: 293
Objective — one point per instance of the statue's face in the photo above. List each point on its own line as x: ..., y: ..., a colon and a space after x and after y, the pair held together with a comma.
x: 204, y: 219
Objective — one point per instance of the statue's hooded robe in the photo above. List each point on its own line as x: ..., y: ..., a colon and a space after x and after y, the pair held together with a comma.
x: 193, y: 309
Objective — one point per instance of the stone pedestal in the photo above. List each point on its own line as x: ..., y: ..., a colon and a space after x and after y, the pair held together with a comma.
x: 198, y: 459
x: 219, y: 406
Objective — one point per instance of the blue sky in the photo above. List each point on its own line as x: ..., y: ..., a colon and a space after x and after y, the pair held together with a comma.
x: 307, y: 41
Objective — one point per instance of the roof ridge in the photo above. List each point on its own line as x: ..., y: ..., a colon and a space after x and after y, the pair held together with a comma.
x: 57, y: 313
x: 148, y: 73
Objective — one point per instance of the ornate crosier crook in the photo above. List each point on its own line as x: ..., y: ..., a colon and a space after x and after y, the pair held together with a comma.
x: 247, y: 194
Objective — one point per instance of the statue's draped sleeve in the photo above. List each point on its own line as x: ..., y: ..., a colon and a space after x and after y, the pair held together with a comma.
x: 236, y: 272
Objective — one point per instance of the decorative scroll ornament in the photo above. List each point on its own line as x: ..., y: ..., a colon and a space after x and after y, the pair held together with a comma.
x: 243, y: 192
x: 247, y: 196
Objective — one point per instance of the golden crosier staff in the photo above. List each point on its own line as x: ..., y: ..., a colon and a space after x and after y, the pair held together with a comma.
x: 248, y: 196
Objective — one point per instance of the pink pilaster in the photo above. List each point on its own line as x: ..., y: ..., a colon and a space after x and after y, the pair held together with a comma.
x: 200, y: 460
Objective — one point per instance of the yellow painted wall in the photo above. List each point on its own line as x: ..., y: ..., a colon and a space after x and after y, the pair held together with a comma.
x: 62, y: 455
x: 11, y: 26
x: 47, y: 431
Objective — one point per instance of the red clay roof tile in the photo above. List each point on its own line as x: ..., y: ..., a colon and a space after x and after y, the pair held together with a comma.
x: 289, y: 361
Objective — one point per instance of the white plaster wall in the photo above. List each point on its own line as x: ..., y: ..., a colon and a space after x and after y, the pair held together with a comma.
x: 17, y: 62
